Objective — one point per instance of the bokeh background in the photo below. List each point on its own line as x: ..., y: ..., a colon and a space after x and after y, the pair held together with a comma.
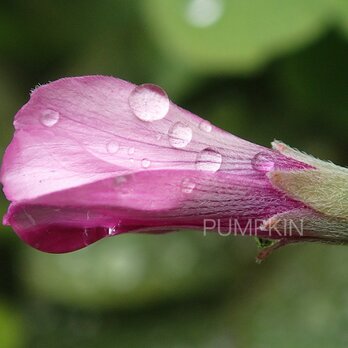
x: 259, y: 69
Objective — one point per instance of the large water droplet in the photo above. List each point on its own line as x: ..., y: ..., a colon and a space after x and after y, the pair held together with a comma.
x: 149, y: 102
x: 203, y: 13
x: 180, y: 135
x: 187, y: 185
x: 263, y: 162
x: 49, y: 118
x: 112, y: 147
x: 205, y: 126
x: 209, y: 160
x: 145, y: 163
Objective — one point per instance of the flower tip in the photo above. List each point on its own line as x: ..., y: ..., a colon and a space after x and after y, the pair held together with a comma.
x: 278, y: 145
x: 5, y: 220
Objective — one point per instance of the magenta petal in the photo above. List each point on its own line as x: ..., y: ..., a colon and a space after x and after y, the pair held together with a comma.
x: 42, y: 227
x: 96, y: 156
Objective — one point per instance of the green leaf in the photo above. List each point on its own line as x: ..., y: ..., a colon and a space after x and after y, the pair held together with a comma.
x: 199, y: 325
x: 299, y: 302
x: 134, y: 270
x: 234, y: 36
x: 342, y: 6
x: 11, y: 328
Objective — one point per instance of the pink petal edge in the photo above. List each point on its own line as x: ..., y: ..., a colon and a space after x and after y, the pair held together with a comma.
x: 83, y: 165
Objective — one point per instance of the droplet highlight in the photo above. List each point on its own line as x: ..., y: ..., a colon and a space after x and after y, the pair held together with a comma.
x: 263, y: 162
x: 145, y: 163
x: 180, y: 135
x: 49, y: 118
x: 209, y: 160
x: 112, y: 231
x: 149, y: 102
x: 112, y: 147
x: 205, y: 126
x: 187, y: 185
x: 203, y: 13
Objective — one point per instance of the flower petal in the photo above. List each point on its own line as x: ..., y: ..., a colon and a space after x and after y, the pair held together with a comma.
x: 68, y: 220
x: 76, y: 131
x: 97, y: 154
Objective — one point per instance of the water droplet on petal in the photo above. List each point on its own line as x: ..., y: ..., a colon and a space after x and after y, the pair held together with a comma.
x: 263, y: 162
x: 205, y: 126
x: 209, y: 160
x: 112, y: 147
x: 187, y: 185
x: 145, y: 163
x: 49, y: 118
x: 131, y: 150
x: 203, y: 13
x: 180, y: 135
x: 149, y: 102
x: 112, y: 231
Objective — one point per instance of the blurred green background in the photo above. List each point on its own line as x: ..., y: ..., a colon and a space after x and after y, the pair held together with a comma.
x: 259, y: 69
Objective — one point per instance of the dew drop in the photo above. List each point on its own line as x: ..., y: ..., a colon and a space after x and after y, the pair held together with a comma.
x: 263, y: 162
x: 131, y: 151
x: 49, y: 118
x: 149, y: 102
x: 187, y: 185
x: 112, y: 231
x: 180, y: 135
x: 209, y: 160
x: 203, y: 13
x: 145, y: 163
x: 205, y: 126
x: 112, y: 147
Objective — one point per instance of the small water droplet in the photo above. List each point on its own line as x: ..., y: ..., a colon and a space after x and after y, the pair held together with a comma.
x: 49, y: 118
x: 149, y: 102
x: 145, y: 163
x: 203, y: 13
x: 180, y: 135
x: 131, y: 150
x: 187, y: 185
x: 205, y: 126
x: 263, y: 162
x: 112, y: 147
x: 209, y: 160
x: 112, y: 231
